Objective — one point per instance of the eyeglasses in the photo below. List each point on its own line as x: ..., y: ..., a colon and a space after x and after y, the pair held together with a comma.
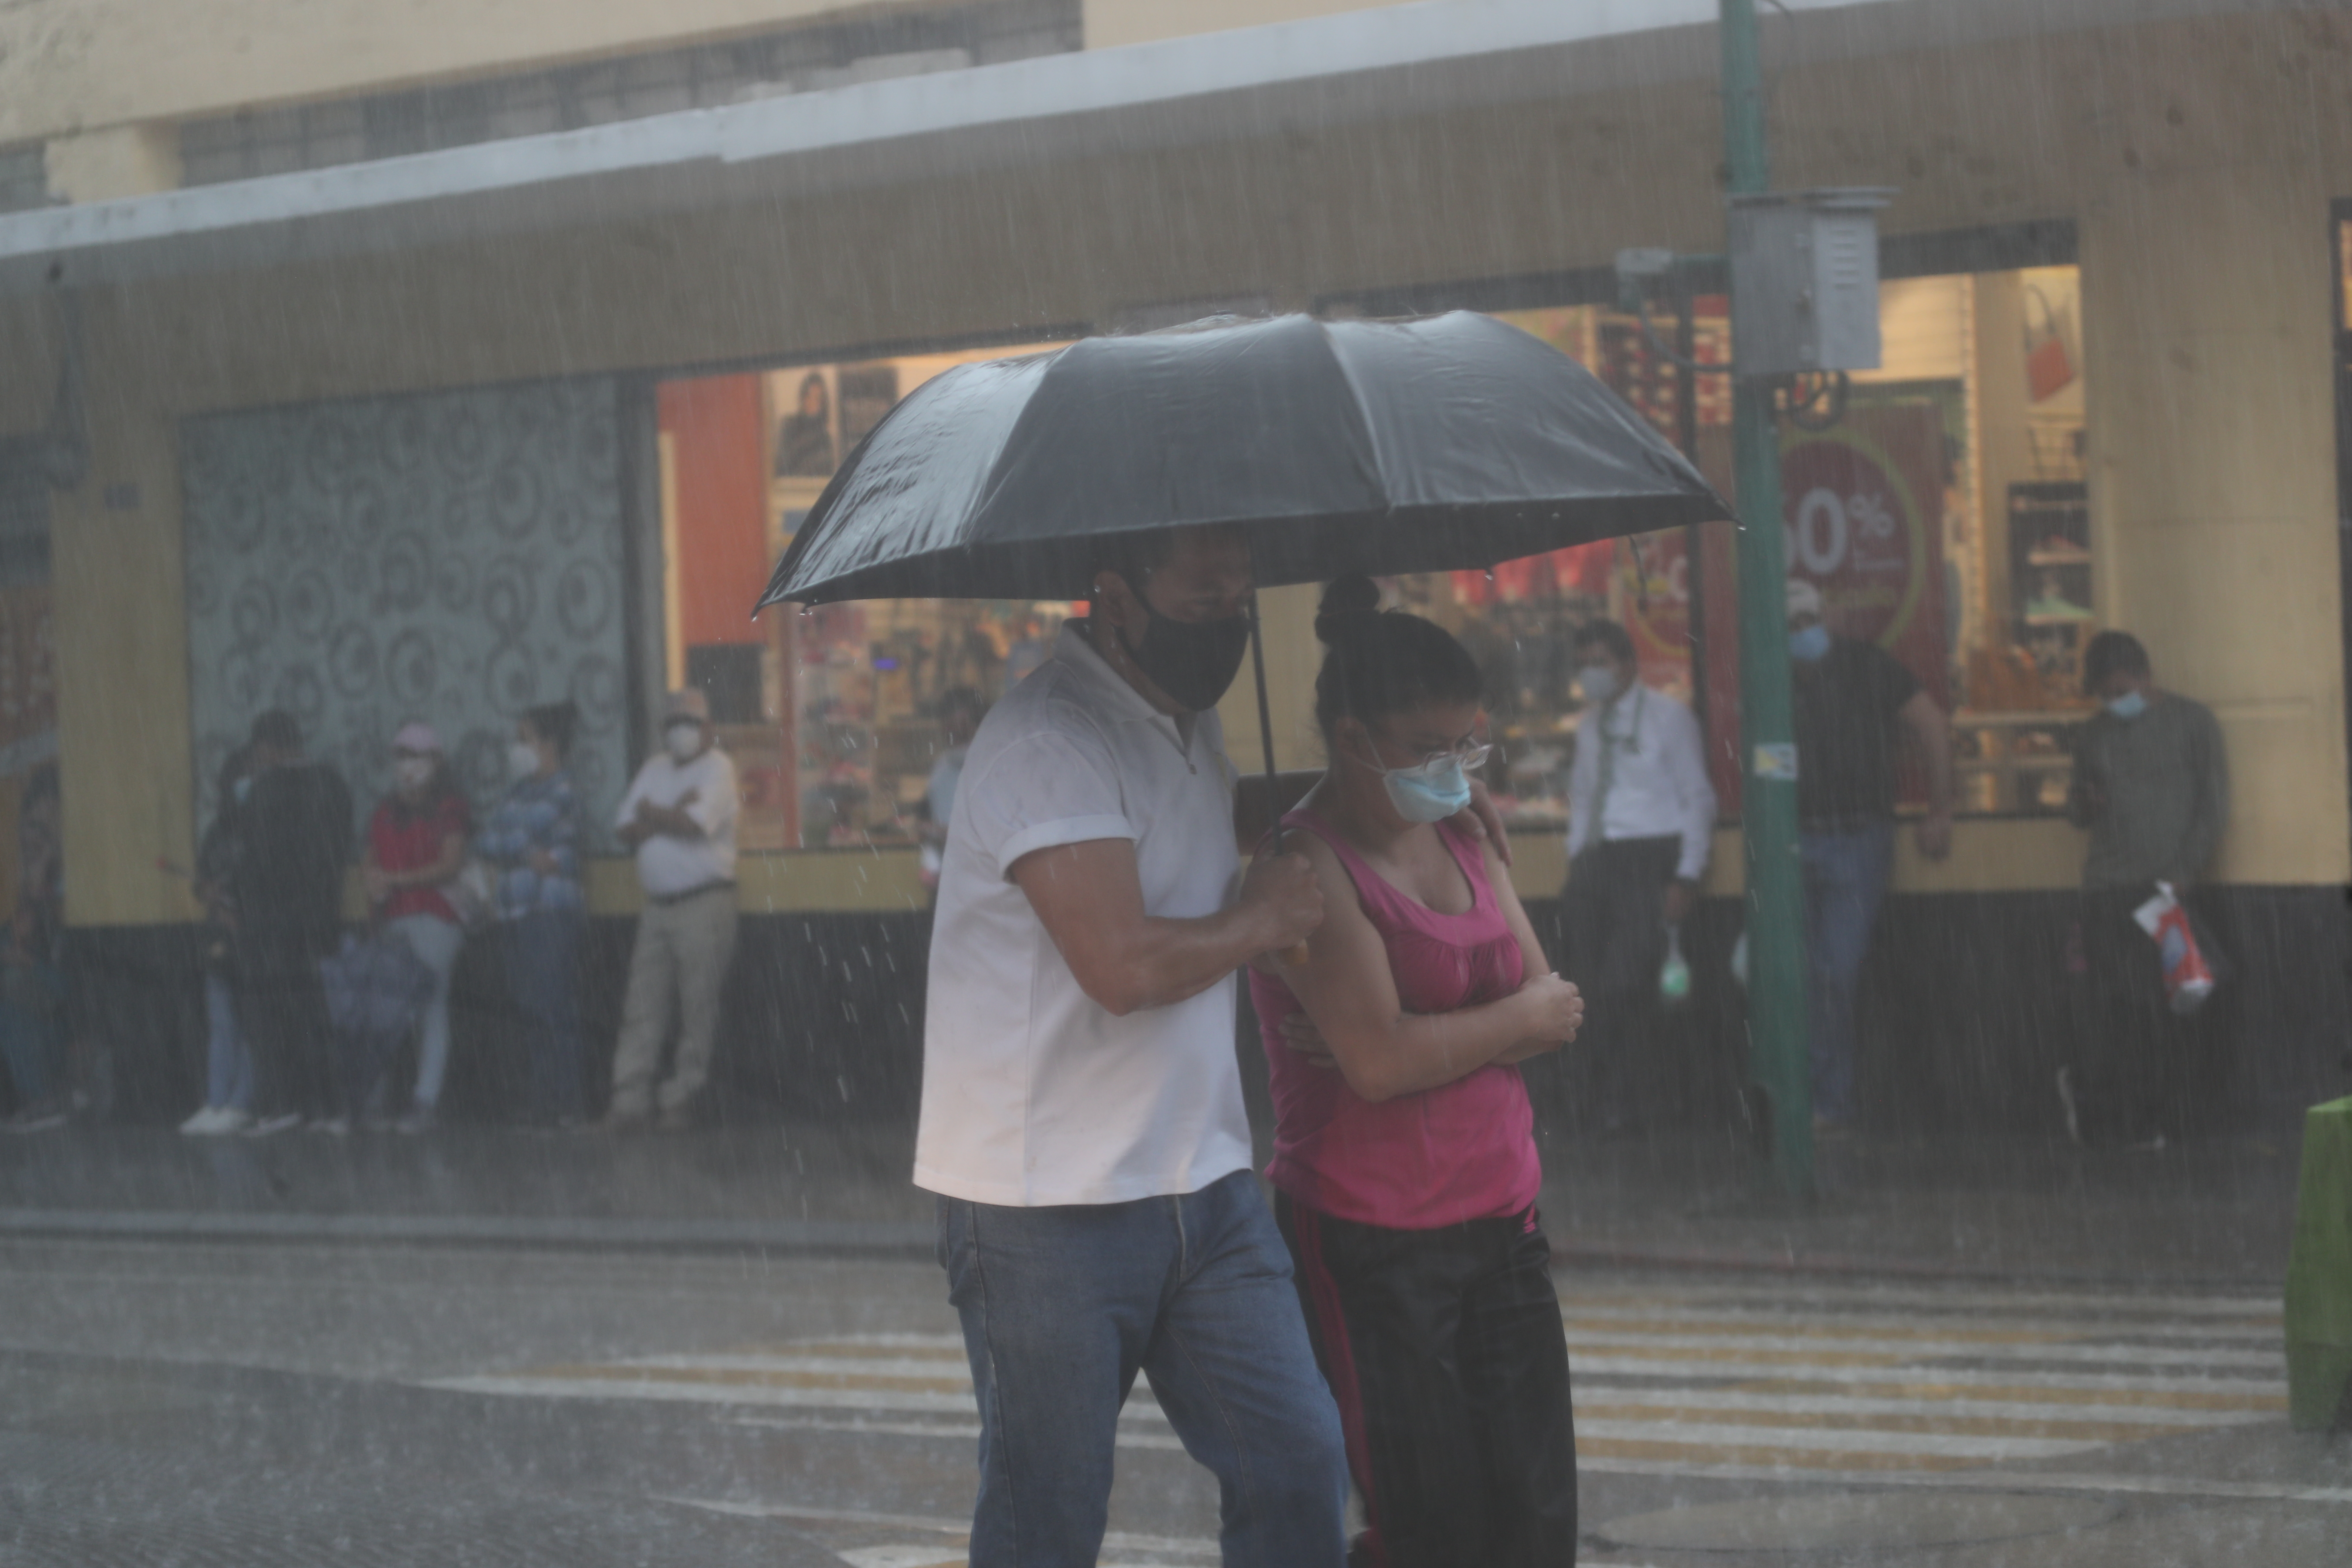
x: 1470, y: 756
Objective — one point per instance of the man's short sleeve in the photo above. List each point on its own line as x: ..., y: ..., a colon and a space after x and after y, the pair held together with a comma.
x: 1039, y: 791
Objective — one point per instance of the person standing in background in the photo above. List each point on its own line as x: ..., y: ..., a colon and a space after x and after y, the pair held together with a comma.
x: 2152, y: 783
x: 533, y: 841
x: 416, y: 845
x: 32, y: 963
x: 229, y: 1066
x: 1641, y: 822
x: 1852, y: 700
x: 288, y: 893
x: 680, y: 817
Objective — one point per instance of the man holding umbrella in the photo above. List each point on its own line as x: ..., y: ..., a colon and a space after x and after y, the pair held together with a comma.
x: 1082, y: 1116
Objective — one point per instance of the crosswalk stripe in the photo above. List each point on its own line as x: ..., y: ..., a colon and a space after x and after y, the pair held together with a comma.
x: 1850, y: 1370
x: 2077, y: 1395
x: 1673, y: 1458
x: 1856, y: 1382
x: 1725, y: 1346
x: 1717, y: 1436
x: 1918, y: 1327
x: 1797, y: 1413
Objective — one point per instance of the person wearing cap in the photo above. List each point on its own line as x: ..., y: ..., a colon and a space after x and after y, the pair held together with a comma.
x: 1854, y: 703
x: 679, y: 818
x: 416, y: 840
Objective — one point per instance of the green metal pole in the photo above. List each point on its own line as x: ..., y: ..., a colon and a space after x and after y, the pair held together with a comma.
x: 1778, y: 1040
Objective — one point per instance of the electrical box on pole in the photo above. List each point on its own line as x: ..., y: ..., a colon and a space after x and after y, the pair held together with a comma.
x: 1804, y: 280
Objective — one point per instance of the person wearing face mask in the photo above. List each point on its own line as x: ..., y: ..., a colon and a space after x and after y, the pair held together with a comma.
x: 1854, y: 702
x: 532, y: 843
x: 1082, y: 1119
x: 2152, y: 783
x: 416, y: 845
x: 1641, y: 821
x: 1404, y: 1162
x: 679, y: 818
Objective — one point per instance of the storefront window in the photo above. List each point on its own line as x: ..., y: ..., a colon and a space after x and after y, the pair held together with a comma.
x: 833, y: 715
x: 1941, y: 509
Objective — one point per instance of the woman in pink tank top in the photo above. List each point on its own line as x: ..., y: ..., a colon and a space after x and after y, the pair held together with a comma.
x: 1404, y: 1162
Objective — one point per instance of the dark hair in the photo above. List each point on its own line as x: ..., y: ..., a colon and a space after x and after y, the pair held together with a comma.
x: 1134, y: 556
x: 277, y: 728
x: 1383, y: 661
x: 962, y: 699
x: 1608, y: 634
x: 554, y: 722
x: 814, y: 378
x: 2112, y: 653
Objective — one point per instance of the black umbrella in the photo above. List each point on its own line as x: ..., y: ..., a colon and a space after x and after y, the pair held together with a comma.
x: 1379, y: 448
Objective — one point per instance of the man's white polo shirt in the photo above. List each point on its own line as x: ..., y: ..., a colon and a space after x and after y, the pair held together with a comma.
x: 1032, y: 1094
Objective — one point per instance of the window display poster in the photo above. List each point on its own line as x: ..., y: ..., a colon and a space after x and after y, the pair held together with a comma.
x: 1861, y: 519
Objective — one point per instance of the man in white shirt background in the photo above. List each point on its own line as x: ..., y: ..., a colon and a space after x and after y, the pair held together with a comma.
x: 679, y: 818
x: 1641, y: 821
x: 1082, y: 1118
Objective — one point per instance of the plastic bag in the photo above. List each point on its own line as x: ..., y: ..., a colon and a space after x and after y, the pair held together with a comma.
x: 1674, y: 975
x: 2188, y: 977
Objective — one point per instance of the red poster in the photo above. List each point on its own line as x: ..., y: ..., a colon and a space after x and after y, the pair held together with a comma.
x: 1862, y: 508
x: 28, y: 692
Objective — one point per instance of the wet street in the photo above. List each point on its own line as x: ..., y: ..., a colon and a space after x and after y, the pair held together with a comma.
x: 259, y: 1403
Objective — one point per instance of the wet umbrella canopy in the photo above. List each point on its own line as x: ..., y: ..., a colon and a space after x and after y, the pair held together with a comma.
x: 1444, y: 444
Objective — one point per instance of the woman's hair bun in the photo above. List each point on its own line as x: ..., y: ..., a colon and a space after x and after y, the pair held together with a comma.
x: 1344, y: 597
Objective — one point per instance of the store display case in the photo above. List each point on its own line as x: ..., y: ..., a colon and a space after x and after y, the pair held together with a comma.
x: 2014, y: 763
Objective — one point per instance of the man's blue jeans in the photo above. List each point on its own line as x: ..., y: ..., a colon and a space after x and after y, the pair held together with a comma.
x: 228, y: 1067
x: 543, y: 977
x: 1063, y: 1306
x: 1846, y: 881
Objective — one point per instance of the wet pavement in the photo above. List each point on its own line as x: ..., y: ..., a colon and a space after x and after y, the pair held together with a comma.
x: 483, y: 1346
x: 2216, y: 1211
x: 271, y: 1402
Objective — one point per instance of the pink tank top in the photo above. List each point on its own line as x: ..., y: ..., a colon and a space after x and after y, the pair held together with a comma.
x: 1462, y: 1150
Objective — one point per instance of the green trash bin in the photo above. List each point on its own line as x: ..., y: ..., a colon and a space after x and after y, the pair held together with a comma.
x: 2319, y: 1274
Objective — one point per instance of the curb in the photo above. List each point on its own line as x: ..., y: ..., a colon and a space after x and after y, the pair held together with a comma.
x: 819, y: 1238
x: 902, y: 1241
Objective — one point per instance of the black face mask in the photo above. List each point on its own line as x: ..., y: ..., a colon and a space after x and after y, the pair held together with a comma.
x: 1193, y: 661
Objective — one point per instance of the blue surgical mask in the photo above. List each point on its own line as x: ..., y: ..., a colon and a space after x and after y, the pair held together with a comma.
x: 1811, y: 645
x: 2131, y: 705
x: 243, y: 787
x: 1599, y: 683
x: 1426, y: 792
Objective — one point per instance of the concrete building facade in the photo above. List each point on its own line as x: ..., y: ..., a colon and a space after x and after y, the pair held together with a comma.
x: 1069, y: 168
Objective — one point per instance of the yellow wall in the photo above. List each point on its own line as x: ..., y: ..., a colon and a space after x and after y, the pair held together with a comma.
x: 123, y: 742
x: 1110, y: 23
x: 68, y: 67
x: 2205, y: 291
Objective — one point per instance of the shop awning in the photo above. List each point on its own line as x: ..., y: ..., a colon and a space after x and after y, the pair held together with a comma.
x: 1382, y: 63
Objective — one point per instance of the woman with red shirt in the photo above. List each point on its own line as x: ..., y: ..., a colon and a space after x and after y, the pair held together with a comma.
x: 1405, y: 1160
x: 415, y: 846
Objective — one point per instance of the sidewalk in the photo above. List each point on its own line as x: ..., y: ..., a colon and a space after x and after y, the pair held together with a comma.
x: 2214, y: 1212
